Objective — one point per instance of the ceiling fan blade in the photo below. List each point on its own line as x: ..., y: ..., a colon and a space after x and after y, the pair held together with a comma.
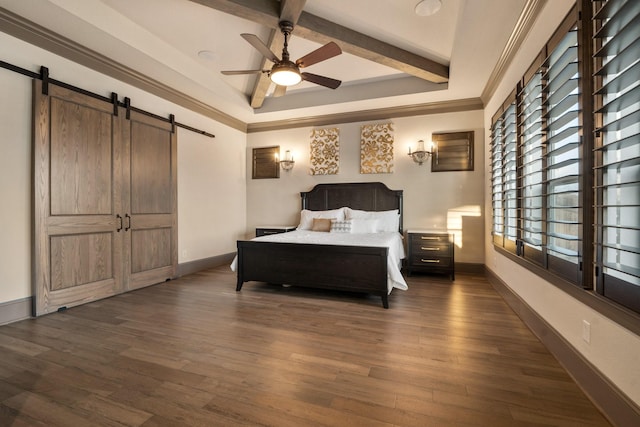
x: 327, y: 51
x: 236, y: 72
x: 260, y: 46
x: 321, y: 80
x: 279, y: 91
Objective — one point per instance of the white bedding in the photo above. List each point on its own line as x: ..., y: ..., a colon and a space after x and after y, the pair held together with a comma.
x: 392, y: 240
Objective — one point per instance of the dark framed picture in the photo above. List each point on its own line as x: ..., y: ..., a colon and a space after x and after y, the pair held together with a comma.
x: 452, y: 151
x: 265, y: 162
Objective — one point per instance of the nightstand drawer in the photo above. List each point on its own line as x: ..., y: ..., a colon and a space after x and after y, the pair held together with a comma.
x: 430, y: 252
x: 430, y: 248
x: 418, y: 260
x: 430, y: 238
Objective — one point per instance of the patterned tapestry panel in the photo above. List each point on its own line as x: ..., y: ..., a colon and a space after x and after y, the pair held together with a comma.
x: 376, y: 148
x: 325, y: 151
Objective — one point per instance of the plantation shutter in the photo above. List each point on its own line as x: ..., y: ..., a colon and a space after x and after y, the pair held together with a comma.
x: 617, y: 150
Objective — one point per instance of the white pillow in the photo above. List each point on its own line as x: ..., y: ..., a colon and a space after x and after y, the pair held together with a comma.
x: 361, y: 225
x: 306, y: 217
x: 341, y: 226
x: 387, y: 220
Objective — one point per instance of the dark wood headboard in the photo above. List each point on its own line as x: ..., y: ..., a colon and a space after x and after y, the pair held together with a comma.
x: 366, y: 196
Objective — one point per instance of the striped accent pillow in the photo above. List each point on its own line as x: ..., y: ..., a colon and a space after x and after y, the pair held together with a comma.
x: 341, y: 226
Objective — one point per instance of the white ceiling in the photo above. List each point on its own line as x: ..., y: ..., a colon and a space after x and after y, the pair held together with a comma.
x: 162, y: 38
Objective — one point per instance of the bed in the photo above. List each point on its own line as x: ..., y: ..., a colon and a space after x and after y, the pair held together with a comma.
x: 329, y: 265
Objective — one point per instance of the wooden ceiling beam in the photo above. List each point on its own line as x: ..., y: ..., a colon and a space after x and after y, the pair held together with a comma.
x: 290, y: 10
x: 320, y: 30
x: 264, y: 12
x: 263, y: 82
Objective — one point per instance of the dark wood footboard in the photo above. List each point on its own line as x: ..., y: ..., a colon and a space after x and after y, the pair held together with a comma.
x: 335, y: 267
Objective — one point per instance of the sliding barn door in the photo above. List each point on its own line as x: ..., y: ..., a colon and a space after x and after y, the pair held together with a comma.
x: 151, y: 221
x: 77, y: 238
x: 105, y: 200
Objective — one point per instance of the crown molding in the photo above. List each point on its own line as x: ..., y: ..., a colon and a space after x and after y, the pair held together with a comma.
x: 528, y: 16
x: 469, y: 104
x: 41, y: 37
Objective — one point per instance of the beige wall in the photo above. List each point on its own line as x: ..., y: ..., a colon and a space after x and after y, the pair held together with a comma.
x: 218, y: 201
x: 15, y: 186
x: 613, y: 349
x: 444, y: 200
x: 211, y: 172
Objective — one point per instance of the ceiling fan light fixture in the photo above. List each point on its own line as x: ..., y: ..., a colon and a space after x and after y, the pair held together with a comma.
x: 428, y: 7
x: 285, y: 74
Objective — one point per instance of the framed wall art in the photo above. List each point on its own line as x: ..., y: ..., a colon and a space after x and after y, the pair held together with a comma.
x: 265, y: 163
x: 452, y: 151
x: 325, y: 151
x: 376, y: 148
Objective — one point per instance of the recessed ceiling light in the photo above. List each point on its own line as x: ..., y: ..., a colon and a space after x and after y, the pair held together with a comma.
x: 428, y: 7
x: 207, y: 55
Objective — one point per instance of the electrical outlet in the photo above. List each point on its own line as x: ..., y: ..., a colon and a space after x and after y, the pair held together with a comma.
x: 586, y: 331
x: 184, y: 253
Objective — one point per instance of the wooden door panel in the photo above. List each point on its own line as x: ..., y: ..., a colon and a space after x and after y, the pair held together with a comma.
x: 152, y: 253
x: 151, y: 178
x: 81, y: 147
x: 77, y: 249
x: 150, y: 249
x: 105, y: 201
x: 77, y: 295
x: 80, y: 259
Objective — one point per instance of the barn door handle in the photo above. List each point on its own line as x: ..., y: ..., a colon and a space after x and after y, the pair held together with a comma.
x: 119, y: 219
x: 128, y: 227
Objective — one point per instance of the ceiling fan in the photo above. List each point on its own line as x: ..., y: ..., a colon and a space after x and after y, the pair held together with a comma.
x: 285, y: 72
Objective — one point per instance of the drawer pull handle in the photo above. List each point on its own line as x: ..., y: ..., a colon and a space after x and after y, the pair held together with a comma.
x: 435, y: 261
x: 429, y: 249
x: 270, y: 232
x: 429, y: 238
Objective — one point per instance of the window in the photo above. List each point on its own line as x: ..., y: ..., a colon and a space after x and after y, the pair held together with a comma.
x: 509, y: 180
x: 541, y: 187
x: 562, y: 173
x: 570, y: 124
x: 497, y: 180
x: 503, y: 175
x: 617, y: 150
x: 530, y: 149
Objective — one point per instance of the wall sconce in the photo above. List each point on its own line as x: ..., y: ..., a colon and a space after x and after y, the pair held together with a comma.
x: 421, y: 154
x: 288, y: 162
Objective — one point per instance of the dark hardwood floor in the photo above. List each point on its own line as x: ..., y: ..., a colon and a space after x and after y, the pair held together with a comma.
x: 193, y: 352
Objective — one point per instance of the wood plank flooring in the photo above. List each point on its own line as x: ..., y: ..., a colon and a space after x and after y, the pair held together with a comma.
x: 193, y: 352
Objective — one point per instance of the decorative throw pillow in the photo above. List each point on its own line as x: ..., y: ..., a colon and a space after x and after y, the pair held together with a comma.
x: 338, y: 226
x: 307, y: 216
x: 321, y: 224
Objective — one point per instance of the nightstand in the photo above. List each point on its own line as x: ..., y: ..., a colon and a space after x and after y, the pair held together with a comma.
x: 263, y: 230
x: 430, y: 251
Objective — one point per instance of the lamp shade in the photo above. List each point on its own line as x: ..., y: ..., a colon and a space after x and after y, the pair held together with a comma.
x: 285, y: 74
